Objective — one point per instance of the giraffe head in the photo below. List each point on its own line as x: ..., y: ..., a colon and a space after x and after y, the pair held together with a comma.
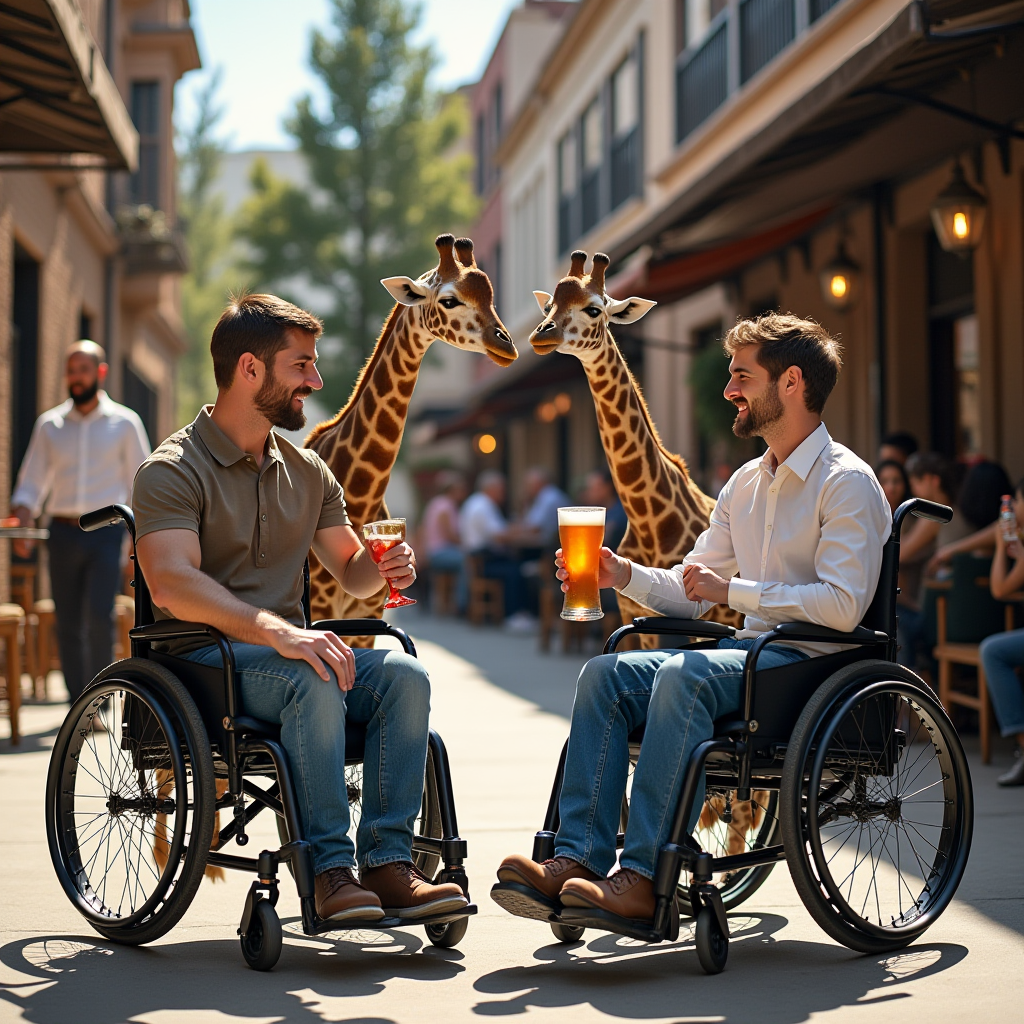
x: 577, y: 316
x: 456, y: 302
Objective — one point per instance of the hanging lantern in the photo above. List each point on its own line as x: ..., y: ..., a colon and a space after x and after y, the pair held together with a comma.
x: 958, y: 214
x: 840, y: 279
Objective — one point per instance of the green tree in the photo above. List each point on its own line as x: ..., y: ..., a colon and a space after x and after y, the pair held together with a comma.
x: 384, y: 179
x: 213, y: 271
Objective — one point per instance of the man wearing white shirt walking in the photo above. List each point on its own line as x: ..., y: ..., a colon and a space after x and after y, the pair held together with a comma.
x: 796, y: 536
x: 83, y: 454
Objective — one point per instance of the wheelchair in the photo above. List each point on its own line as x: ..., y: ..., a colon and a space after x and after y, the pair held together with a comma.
x: 157, y: 745
x: 844, y: 765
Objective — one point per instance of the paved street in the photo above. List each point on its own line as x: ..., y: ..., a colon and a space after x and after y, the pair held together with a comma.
x: 502, y: 709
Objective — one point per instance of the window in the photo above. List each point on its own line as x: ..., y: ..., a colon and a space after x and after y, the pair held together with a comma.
x: 481, y: 155
x: 593, y: 156
x: 528, y: 243
x: 625, y: 152
x: 568, y: 176
x: 145, y: 182
x: 85, y: 326
x: 140, y: 396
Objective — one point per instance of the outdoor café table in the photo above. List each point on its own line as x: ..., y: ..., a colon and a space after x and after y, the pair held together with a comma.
x: 23, y: 533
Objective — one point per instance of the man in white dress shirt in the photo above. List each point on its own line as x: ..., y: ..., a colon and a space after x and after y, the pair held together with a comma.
x: 796, y: 536
x: 83, y: 455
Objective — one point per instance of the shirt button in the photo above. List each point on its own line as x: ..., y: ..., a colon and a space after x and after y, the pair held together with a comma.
x: 263, y: 517
x: 262, y: 555
x: 769, y: 526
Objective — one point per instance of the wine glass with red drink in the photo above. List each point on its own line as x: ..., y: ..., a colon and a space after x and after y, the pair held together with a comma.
x: 382, y: 536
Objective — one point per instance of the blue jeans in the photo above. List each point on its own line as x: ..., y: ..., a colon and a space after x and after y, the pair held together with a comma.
x: 676, y: 695
x: 1001, y: 654
x: 391, y: 697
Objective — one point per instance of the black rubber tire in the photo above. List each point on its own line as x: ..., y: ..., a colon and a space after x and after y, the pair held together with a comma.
x: 261, y: 944
x: 169, y: 708
x: 448, y: 935
x: 817, y: 732
x: 712, y: 945
x: 566, y: 932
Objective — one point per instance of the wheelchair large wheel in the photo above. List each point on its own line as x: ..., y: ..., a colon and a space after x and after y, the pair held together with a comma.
x: 130, y: 802
x: 726, y: 827
x: 877, y: 807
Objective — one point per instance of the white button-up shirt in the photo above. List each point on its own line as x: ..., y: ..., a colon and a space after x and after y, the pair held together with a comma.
x: 802, y: 543
x: 480, y: 521
x: 77, y: 463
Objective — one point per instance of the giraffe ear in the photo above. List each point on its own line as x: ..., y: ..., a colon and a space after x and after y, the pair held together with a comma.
x: 543, y: 298
x: 406, y: 291
x: 628, y: 311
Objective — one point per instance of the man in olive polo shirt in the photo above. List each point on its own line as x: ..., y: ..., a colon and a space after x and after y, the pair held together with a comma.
x: 226, y: 512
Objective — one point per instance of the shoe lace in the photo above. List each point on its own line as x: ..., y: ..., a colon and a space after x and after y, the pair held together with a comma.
x: 408, y: 872
x: 336, y: 878
x: 557, y: 865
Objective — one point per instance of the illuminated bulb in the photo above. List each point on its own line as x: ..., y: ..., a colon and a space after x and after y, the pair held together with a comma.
x: 486, y: 443
x: 961, y: 228
x: 838, y: 286
x: 563, y: 403
x: 547, y: 413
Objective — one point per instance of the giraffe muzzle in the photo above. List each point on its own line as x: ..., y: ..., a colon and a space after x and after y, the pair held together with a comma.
x: 501, y: 349
x: 546, y: 338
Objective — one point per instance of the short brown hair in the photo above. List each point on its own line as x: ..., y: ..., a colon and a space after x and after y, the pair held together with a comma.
x: 256, y: 324
x: 787, y: 340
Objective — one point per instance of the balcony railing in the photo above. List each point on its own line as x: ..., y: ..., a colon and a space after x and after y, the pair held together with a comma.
x: 625, y: 167
x: 702, y: 82
x: 747, y: 35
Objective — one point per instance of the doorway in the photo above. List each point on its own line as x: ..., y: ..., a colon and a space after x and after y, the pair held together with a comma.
x: 25, y: 354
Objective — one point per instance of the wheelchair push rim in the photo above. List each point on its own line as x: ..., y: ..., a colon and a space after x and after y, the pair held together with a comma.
x: 886, y: 825
x: 104, y: 797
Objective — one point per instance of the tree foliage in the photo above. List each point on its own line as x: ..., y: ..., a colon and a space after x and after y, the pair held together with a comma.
x: 384, y: 180
x: 213, y: 271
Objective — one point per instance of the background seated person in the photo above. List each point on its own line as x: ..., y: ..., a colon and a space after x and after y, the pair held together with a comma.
x: 599, y: 489
x: 795, y: 536
x: 538, y: 527
x: 226, y: 512
x: 897, y: 447
x: 1003, y: 654
x: 441, y: 545
x: 485, y: 533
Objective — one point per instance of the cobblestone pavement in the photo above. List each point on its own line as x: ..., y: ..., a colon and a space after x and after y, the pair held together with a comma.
x: 501, y: 708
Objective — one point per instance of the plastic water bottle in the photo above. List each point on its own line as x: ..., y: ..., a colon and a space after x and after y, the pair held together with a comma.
x: 1008, y: 520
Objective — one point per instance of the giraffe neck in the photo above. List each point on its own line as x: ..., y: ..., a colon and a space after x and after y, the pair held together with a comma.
x: 663, y: 505
x: 361, y: 443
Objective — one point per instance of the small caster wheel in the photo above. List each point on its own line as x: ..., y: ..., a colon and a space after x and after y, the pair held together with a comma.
x: 567, y: 932
x: 261, y: 944
x: 712, y: 945
x: 448, y: 935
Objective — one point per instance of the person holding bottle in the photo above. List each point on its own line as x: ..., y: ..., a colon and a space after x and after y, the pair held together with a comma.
x: 1003, y: 653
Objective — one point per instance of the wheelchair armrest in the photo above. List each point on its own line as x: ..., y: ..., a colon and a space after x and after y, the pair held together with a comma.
x: 664, y: 626
x: 367, y: 627
x: 172, y: 629
x: 657, y: 625
x: 808, y: 632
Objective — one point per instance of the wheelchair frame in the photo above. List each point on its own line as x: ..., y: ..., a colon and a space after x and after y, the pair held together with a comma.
x: 738, y: 746
x: 246, y: 739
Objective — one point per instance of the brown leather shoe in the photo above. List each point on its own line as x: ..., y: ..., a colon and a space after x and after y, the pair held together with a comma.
x: 405, y: 892
x: 625, y: 894
x: 340, y: 897
x: 531, y: 890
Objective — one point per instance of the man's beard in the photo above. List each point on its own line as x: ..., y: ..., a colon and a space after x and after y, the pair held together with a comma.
x: 86, y: 395
x: 761, y: 413
x: 274, y: 401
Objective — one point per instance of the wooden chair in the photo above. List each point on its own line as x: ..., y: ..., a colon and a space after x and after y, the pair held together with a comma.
x: 12, y: 632
x: 966, y: 613
x: 23, y: 584
x: 47, y: 654
x: 486, y: 596
x: 444, y: 585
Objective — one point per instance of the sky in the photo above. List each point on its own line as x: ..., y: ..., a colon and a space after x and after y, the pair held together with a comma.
x: 262, y: 48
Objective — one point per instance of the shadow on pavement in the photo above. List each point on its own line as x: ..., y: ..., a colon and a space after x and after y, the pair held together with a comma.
x: 32, y: 743
x: 767, y: 980
x: 107, y: 983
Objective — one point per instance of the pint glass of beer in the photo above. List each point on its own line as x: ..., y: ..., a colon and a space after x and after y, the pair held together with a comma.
x: 581, y: 531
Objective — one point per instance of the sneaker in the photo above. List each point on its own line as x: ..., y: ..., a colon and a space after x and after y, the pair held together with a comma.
x: 625, y: 894
x: 406, y: 892
x: 1015, y: 776
x: 340, y: 897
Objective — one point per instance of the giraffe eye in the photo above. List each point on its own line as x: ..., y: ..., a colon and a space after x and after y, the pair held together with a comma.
x: 593, y: 311
x: 450, y: 302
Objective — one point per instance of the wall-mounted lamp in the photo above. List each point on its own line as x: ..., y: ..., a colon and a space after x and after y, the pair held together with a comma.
x: 958, y: 214
x: 486, y: 443
x: 840, y: 279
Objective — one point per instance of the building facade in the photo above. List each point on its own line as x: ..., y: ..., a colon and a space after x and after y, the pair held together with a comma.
x: 88, y: 239
x: 727, y: 156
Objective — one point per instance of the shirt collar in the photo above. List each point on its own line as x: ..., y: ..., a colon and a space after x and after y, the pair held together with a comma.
x: 803, y: 457
x: 103, y: 408
x: 221, y: 447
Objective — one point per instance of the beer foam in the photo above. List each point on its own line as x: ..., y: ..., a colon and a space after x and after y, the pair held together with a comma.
x: 581, y: 516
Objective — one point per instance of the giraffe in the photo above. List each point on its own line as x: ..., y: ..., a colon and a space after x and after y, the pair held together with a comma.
x: 665, y: 509
x: 454, y: 302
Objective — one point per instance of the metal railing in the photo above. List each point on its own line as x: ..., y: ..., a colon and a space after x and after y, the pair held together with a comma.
x: 766, y: 28
x: 702, y: 81
x: 625, y: 161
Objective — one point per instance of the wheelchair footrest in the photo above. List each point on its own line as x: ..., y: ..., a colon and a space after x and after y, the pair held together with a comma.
x: 385, y: 924
x: 603, y: 920
x: 522, y: 901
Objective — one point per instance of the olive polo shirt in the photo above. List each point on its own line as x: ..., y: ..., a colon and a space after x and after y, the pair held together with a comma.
x: 255, y: 523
